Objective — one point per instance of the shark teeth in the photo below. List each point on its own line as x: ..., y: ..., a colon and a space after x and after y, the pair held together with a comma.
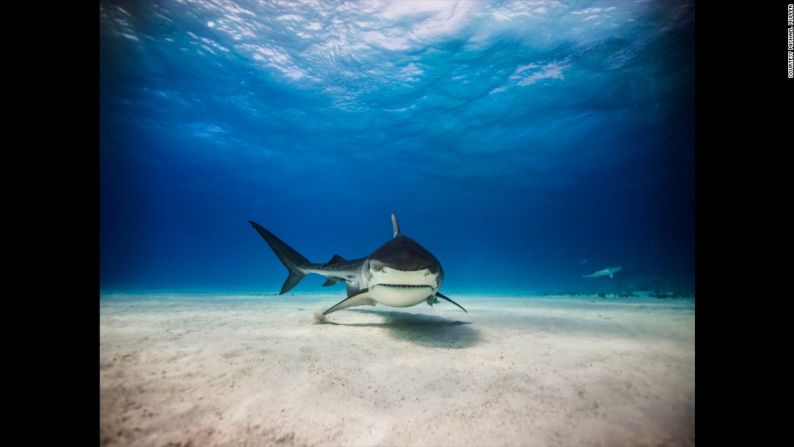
x: 410, y: 286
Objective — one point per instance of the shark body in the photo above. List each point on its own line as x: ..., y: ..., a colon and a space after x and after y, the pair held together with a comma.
x: 400, y: 273
x: 609, y: 271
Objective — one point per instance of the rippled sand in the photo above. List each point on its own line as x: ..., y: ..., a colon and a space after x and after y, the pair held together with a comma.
x: 253, y: 370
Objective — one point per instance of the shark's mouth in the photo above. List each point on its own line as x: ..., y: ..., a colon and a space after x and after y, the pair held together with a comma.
x: 409, y: 286
x: 398, y: 294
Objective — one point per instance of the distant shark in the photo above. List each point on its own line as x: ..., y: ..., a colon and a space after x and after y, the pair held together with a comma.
x: 401, y: 273
x: 609, y: 271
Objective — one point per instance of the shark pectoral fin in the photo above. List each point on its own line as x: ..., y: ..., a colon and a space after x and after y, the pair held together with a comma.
x: 441, y: 295
x: 610, y: 275
x: 361, y: 299
x: 353, y: 289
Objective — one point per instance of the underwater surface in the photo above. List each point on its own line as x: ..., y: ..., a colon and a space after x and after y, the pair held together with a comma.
x: 525, y: 144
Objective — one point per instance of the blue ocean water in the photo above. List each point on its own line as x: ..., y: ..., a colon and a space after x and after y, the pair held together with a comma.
x: 524, y: 143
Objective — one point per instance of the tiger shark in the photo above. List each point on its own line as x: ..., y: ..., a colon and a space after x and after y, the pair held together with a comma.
x: 609, y: 271
x: 401, y: 273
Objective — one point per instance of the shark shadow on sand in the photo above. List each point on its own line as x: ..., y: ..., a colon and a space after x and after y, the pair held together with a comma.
x: 426, y: 330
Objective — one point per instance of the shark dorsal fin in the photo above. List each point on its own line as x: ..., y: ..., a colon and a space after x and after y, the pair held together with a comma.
x: 335, y: 259
x: 395, y: 224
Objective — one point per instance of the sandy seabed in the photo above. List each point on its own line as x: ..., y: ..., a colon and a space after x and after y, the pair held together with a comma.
x: 187, y: 370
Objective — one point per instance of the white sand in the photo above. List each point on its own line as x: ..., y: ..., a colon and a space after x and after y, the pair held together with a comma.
x: 248, y: 371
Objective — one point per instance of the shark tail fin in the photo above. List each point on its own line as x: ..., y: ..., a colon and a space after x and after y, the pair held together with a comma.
x: 291, y: 259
